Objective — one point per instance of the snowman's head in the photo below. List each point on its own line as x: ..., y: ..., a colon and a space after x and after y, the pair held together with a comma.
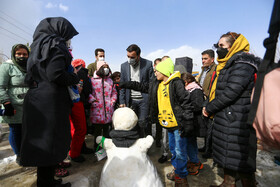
x: 124, y: 119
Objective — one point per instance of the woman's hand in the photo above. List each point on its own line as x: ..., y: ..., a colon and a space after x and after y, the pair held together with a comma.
x: 204, y: 112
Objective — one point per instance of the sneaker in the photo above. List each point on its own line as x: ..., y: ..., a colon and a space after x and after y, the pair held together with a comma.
x: 61, y: 172
x: 79, y: 159
x: 181, y: 182
x: 194, y: 168
x: 162, y: 159
x: 171, y: 175
x: 207, y: 155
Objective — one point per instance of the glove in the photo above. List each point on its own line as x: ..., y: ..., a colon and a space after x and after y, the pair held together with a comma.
x: 122, y: 84
x: 9, y: 110
x: 187, y: 130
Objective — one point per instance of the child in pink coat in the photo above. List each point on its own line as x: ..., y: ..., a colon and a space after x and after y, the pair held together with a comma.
x: 102, y: 99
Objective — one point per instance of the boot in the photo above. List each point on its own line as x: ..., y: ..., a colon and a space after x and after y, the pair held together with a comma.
x: 181, y: 182
x: 229, y: 181
x: 194, y: 168
x: 248, y: 180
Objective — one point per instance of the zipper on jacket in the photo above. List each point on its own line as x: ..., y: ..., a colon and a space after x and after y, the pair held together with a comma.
x: 104, y: 99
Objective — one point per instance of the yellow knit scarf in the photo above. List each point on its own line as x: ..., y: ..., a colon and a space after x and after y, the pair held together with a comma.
x: 240, y: 44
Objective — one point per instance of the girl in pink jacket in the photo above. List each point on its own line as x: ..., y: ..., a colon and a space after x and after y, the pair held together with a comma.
x: 102, y: 99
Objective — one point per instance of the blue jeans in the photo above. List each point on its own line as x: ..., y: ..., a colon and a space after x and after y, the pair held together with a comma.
x: 178, y: 149
x: 192, y: 149
x: 140, y: 107
x: 15, y: 137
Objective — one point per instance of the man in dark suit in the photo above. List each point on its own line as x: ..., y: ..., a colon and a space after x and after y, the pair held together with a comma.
x: 140, y: 70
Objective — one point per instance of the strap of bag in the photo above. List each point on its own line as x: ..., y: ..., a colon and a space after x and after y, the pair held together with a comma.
x: 102, y: 143
x: 268, y: 60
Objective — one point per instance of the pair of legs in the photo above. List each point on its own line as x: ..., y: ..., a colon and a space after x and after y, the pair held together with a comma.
x: 100, y: 129
x: 164, y: 142
x: 15, y: 137
x: 78, y: 129
x: 140, y: 107
x: 178, y: 147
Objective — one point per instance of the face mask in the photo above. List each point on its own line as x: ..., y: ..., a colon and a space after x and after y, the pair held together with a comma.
x: 222, y: 52
x: 21, y: 60
x: 106, y: 71
x: 101, y: 59
x: 132, y: 61
x: 68, y: 43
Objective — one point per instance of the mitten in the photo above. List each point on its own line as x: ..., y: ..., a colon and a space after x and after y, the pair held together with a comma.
x: 9, y: 110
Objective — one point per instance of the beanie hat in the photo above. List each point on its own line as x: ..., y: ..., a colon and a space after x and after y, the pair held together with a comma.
x: 166, y: 67
x: 99, y: 64
x: 78, y: 62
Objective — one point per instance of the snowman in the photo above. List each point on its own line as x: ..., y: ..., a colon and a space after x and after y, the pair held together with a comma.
x: 127, y: 161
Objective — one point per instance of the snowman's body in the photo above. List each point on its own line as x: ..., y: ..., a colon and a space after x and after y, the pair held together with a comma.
x: 129, y: 167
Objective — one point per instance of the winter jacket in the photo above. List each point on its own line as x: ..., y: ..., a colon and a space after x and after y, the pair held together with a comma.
x: 206, y: 82
x: 234, y: 142
x: 103, y: 96
x: 180, y: 102
x: 13, y: 89
x: 197, y: 99
x: 91, y: 68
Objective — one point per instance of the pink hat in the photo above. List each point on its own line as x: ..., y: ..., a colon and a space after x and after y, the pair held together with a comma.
x: 78, y: 62
x: 99, y: 64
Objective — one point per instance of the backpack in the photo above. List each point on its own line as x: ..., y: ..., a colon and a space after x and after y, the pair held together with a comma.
x: 265, y: 108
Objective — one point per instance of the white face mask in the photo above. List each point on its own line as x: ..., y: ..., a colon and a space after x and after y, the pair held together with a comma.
x: 68, y: 43
x: 106, y: 71
x: 101, y: 59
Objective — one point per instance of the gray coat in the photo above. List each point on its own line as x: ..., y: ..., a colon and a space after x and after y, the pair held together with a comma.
x: 12, y: 89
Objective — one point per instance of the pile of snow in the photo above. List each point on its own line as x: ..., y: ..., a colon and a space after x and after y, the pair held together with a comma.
x: 8, y: 160
x: 268, y: 172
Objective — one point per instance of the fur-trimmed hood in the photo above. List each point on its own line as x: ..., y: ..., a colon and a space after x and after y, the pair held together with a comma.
x: 247, y: 58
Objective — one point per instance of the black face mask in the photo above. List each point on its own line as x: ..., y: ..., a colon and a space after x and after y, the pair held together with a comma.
x: 21, y: 60
x: 222, y: 52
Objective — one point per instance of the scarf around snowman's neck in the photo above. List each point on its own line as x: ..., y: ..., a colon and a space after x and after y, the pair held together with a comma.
x: 123, y: 138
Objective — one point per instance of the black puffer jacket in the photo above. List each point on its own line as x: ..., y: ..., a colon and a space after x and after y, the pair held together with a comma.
x: 197, y: 98
x: 234, y: 142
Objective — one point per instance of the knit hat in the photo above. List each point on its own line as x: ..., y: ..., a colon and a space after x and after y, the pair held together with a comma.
x: 99, y: 64
x: 166, y: 67
x: 78, y: 62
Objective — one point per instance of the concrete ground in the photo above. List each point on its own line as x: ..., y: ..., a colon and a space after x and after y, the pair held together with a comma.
x: 88, y: 173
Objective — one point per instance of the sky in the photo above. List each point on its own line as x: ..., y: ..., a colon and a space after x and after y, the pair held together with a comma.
x: 176, y: 28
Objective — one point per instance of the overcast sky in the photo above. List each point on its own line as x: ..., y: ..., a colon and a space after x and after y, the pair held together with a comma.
x: 160, y: 27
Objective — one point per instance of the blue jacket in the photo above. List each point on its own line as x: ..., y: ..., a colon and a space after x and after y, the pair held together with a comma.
x: 146, y: 73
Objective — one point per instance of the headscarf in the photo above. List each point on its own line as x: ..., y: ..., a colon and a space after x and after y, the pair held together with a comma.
x: 22, y: 68
x: 78, y: 62
x: 51, y: 32
x: 240, y: 44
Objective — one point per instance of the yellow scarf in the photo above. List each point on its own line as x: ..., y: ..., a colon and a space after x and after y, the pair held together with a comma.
x: 240, y: 44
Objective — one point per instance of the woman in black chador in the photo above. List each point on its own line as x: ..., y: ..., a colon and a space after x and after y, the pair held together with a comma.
x: 46, y: 127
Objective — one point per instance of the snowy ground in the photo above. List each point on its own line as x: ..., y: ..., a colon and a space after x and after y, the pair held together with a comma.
x: 88, y: 173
